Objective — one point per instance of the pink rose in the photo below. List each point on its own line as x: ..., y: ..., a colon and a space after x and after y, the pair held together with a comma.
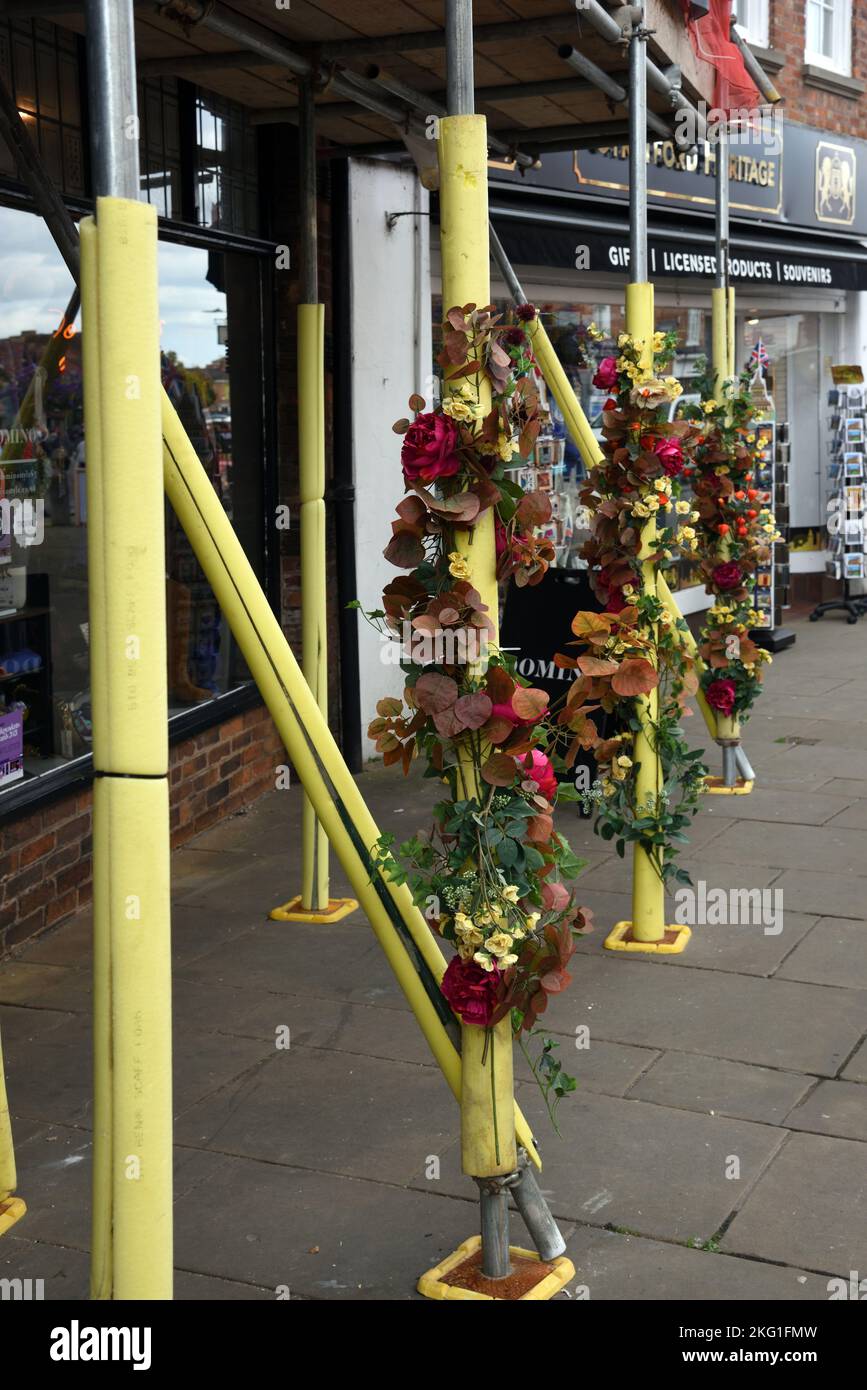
x: 721, y: 695
x: 430, y: 449
x: 606, y: 378
x: 542, y: 772
x: 670, y: 455
x: 727, y: 576
x: 471, y: 991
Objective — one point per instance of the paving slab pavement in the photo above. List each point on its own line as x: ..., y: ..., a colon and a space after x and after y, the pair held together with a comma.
x: 721, y: 1101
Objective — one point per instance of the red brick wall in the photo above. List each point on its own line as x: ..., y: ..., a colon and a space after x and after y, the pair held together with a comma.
x: 45, y: 857
x: 810, y: 105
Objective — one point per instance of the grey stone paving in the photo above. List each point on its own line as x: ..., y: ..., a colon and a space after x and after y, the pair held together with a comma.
x: 716, y: 1147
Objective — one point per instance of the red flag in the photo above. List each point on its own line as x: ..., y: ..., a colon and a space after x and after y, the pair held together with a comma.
x: 709, y: 33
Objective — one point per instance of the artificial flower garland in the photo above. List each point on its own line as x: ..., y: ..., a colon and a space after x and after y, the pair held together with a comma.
x: 735, y: 533
x: 492, y: 873
x: 632, y: 648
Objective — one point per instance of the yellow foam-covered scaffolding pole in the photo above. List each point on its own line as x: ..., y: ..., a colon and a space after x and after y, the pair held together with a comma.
x: 648, y: 892
x: 720, y: 338
x: 487, y: 1132
x: 314, y: 640
x: 309, y: 742
x: 132, y: 1228
x: 313, y: 904
x: 647, y: 929
x: 12, y: 1208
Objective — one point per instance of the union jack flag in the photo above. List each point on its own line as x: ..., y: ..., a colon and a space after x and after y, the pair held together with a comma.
x: 759, y: 355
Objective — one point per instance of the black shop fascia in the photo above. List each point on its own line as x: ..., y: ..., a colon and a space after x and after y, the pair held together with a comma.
x: 798, y: 214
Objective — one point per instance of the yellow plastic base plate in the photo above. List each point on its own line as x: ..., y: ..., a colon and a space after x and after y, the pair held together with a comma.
x: 432, y: 1286
x: 614, y: 941
x: 716, y: 786
x: 11, y: 1210
x: 294, y: 912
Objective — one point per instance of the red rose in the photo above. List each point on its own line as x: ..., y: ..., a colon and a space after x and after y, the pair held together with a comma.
x: 515, y: 337
x: 670, y: 455
x: 471, y: 991
x: 721, y: 695
x: 501, y: 537
x: 430, y: 449
x: 525, y: 312
x: 606, y: 374
x: 727, y: 576
x: 542, y: 772
x: 611, y: 595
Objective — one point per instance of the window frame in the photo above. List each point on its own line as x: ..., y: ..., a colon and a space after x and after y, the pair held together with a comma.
x: 841, y: 59
x: 755, y: 27
x: 77, y: 774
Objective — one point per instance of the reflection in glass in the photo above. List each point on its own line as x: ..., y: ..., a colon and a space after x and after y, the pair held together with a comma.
x: 208, y: 300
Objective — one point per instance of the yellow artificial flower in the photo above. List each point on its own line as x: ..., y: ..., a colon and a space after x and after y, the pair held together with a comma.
x: 457, y: 407
x: 484, y: 960
x: 531, y: 919
x: 709, y: 406
x: 510, y: 893
x: 623, y: 761
x: 499, y: 943
x: 682, y: 508
x: 458, y: 567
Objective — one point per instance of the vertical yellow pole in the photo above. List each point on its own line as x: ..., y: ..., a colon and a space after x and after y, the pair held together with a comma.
x: 101, y: 1213
x: 314, y: 640
x: 720, y: 337
x: 732, y: 341
x: 648, y: 894
x: 314, y: 903
x: 487, y: 1106
x: 132, y: 985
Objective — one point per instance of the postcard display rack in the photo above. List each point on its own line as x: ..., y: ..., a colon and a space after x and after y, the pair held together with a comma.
x: 772, y: 586
x: 846, y: 498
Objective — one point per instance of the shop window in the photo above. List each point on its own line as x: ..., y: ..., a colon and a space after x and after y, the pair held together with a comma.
x: 225, y: 165
x: 39, y: 65
x: 210, y: 303
x: 752, y: 20
x: 829, y: 34
x: 160, y: 145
